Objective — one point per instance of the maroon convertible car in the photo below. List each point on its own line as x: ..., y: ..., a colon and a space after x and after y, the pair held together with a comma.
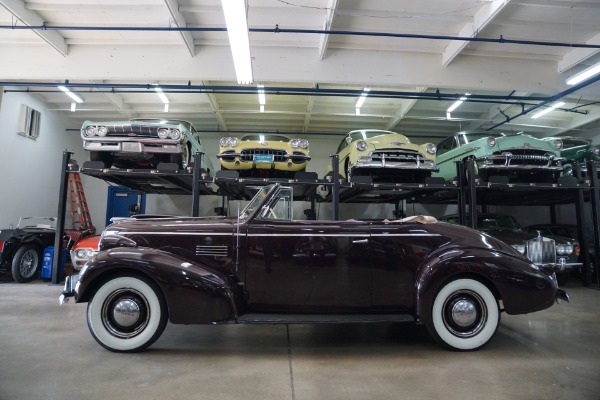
x: 265, y: 267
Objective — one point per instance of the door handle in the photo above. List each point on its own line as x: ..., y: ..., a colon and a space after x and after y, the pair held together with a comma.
x: 360, y: 241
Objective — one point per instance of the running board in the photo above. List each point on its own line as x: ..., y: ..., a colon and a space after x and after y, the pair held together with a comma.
x: 258, y: 318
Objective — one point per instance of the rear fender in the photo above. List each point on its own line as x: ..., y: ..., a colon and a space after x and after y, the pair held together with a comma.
x: 195, y: 294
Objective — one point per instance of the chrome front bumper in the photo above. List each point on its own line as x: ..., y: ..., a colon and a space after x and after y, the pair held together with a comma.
x: 422, y: 165
x: 124, y: 146
x: 69, y: 289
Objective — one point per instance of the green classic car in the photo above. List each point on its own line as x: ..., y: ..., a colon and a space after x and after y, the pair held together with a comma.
x: 140, y: 143
x: 386, y: 156
x: 576, y: 150
x: 520, y: 157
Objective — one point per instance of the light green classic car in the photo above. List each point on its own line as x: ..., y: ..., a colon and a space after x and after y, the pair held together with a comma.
x: 520, y: 157
x: 577, y: 150
x: 385, y: 156
x: 143, y: 143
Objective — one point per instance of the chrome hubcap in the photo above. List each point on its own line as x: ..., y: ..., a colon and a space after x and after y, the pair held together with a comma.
x: 464, y: 313
x: 125, y: 313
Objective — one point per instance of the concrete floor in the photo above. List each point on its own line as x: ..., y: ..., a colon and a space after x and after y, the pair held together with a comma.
x: 47, y: 352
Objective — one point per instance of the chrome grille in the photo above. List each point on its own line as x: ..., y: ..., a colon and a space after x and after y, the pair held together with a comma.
x: 211, y: 251
x: 541, y: 250
x: 525, y: 157
x: 397, y: 156
x: 278, y: 155
x: 133, y: 130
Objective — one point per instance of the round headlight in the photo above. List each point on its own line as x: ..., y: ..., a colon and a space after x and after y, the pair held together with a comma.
x: 163, y: 133
x: 560, y: 249
x: 223, y: 142
x: 295, y: 143
x: 84, y: 253
x: 595, y: 150
x: 519, y: 247
x: 304, y: 144
x: 361, y: 145
x: 431, y: 148
x: 491, y: 142
x: 234, y: 141
x: 102, y: 131
x: 175, y: 134
x: 90, y: 131
x: 568, y: 248
x: 558, y: 144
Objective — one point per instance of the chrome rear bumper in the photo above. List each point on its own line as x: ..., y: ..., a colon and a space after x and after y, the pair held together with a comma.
x: 561, y: 294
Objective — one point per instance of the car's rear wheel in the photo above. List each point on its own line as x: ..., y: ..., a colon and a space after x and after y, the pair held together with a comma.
x: 464, y: 316
x: 26, y: 263
x: 127, y: 314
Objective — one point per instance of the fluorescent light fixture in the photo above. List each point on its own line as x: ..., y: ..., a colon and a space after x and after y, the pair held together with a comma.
x: 166, y: 109
x: 73, y: 106
x: 583, y: 75
x: 362, y: 98
x: 261, y: 97
x: 237, y: 30
x: 162, y: 96
x: 71, y: 94
x: 357, y: 110
x: 547, y: 110
x: 457, y: 103
x: 448, y: 115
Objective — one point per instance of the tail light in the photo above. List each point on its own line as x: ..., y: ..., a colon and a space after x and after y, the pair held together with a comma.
x: 1, y: 245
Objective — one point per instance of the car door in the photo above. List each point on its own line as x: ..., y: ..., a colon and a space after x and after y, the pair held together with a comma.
x: 307, y: 266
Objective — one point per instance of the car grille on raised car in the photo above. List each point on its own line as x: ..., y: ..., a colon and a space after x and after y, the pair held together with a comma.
x: 541, y: 250
x: 523, y: 157
x: 133, y: 130
x: 397, y: 156
x: 278, y: 155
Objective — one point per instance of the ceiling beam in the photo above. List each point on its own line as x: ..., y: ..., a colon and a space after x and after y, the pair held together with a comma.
x: 404, y: 109
x: 309, y: 108
x: 329, y: 17
x: 577, y: 56
x: 188, y: 39
x: 114, y: 98
x: 214, y: 104
x: 481, y: 19
x: 31, y: 18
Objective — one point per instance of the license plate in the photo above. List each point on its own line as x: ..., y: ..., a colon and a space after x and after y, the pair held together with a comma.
x: 263, y: 158
x: 131, y: 147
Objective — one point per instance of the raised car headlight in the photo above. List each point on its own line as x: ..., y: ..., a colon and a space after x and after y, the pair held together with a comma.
x: 491, y: 142
x: 90, y: 131
x: 295, y: 143
x: 558, y: 144
x: 361, y: 145
x: 519, y: 247
x: 304, y: 144
x: 595, y: 150
x: 163, y: 133
x: 228, y: 142
x: 431, y: 148
x: 102, y: 131
x: 175, y: 134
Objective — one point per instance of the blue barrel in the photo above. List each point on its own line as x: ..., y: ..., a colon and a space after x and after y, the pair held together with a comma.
x: 47, y: 258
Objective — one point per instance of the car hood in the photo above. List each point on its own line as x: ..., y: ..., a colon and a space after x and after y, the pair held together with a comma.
x: 518, y: 237
x: 176, y: 226
x: 523, y: 142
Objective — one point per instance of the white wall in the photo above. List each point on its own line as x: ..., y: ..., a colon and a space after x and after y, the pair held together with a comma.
x: 31, y: 169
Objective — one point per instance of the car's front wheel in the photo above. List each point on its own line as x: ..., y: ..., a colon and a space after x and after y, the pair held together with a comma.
x: 26, y: 263
x: 464, y: 316
x: 127, y: 314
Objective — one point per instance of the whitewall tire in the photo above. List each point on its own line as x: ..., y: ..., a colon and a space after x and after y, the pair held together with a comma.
x: 127, y: 314
x: 465, y: 315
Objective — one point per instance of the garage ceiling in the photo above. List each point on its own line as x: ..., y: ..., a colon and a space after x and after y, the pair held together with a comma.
x: 406, y: 51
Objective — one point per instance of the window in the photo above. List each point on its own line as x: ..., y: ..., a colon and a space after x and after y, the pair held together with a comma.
x: 29, y: 122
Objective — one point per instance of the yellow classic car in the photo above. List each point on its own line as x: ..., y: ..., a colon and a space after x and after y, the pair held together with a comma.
x: 385, y: 156
x: 265, y: 154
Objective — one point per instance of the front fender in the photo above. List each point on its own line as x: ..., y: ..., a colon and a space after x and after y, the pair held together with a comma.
x: 194, y: 293
x: 521, y: 287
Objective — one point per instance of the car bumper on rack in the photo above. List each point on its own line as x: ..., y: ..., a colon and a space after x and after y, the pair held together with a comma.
x: 69, y: 289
